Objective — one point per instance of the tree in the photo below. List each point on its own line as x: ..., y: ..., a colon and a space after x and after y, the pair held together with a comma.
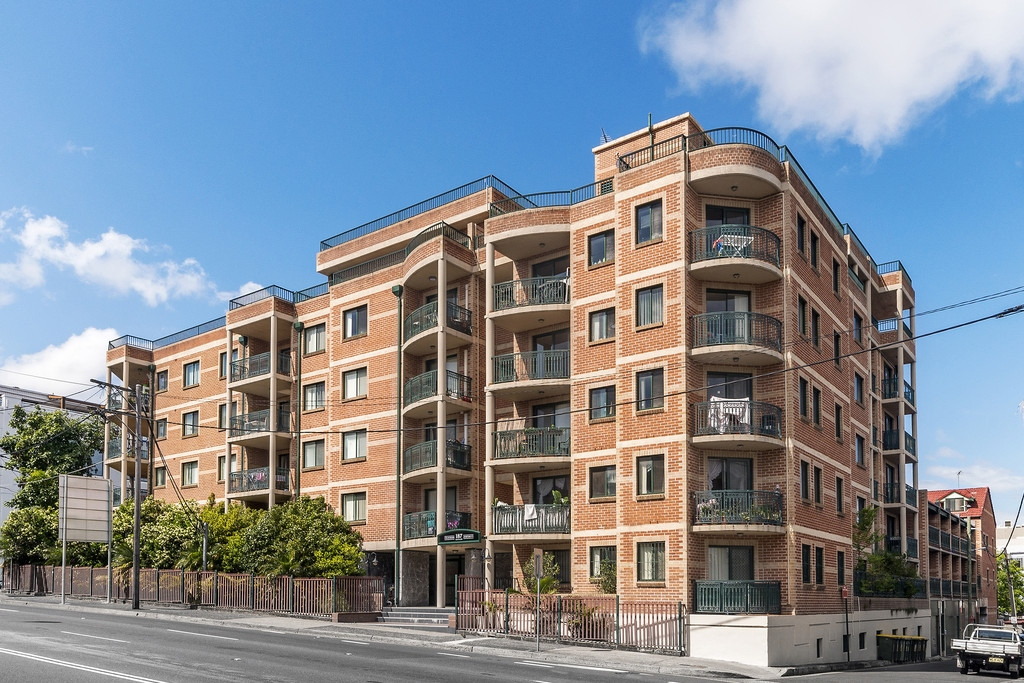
x: 1009, y: 573
x: 883, y: 572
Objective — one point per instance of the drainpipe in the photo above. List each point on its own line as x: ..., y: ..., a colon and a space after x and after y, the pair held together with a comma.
x: 298, y: 410
x: 397, y: 291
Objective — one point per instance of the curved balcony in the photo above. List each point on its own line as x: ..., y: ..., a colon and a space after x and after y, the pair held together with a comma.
x: 419, y: 525
x: 419, y: 327
x: 735, y: 253
x: 737, y: 337
x: 525, y: 450
x: 253, y: 429
x: 520, y: 305
x: 252, y: 374
x: 440, y: 240
x: 734, y: 162
x: 526, y: 522
x: 724, y: 511
x: 739, y: 424
x: 419, y: 393
x: 738, y: 597
x: 521, y: 376
x: 419, y: 461
x: 254, y: 483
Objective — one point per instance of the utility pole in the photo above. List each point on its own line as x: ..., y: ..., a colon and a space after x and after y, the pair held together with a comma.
x: 137, y: 486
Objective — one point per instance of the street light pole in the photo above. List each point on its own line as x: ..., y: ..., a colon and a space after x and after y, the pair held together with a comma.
x: 397, y: 291
x: 137, y: 522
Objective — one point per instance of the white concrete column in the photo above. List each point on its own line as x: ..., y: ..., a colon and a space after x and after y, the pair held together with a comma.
x: 488, y: 426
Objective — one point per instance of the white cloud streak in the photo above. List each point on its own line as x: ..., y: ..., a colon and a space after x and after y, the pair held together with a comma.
x: 862, y: 71
x: 60, y: 368
x: 111, y: 261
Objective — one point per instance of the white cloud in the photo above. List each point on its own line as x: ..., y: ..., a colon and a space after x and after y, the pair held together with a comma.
x: 861, y: 71
x: 997, y: 479
x: 244, y: 289
x: 72, y: 148
x: 61, y: 368
x: 112, y: 261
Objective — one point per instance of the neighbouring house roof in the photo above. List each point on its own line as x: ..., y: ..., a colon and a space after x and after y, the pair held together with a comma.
x: 980, y: 495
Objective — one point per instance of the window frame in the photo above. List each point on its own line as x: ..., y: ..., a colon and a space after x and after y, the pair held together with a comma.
x: 816, y: 406
x: 803, y: 398
x: 815, y: 328
x: 186, y: 370
x: 223, y: 367
x: 606, y: 238
x: 601, y: 482
x: 654, y: 306
x: 361, y: 377
x: 805, y: 481
x: 841, y: 567
x: 801, y: 315
x: 819, y: 565
x: 859, y: 450
x: 805, y: 563
x: 858, y: 388
x: 815, y: 247
x: 188, y: 427
x: 655, y: 222
x: 160, y: 428
x: 313, y: 388
x: 318, y: 335
x: 319, y: 451
x: 654, y: 570
x: 655, y: 400
x: 656, y: 471
x: 597, y: 555
x: 607, y: 408
x: 836, y: 272
x: 161, y: 381
x: 840, y: 495
x: 360, y: 439
x: 606, y: 319
x: 801, y: 233
x: 838, y: 417
x: 819, y: 486
x: 357, y: 317
x: 159, y: 476
x: 355, y: 497
x: 191, y: 466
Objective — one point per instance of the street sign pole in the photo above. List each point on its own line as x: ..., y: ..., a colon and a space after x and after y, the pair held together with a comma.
x: 538, y: 569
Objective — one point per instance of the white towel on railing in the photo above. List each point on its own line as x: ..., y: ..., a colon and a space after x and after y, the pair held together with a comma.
x: 529, y: 512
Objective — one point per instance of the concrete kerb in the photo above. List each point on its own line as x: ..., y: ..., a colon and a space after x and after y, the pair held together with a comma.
x: 390, y: 634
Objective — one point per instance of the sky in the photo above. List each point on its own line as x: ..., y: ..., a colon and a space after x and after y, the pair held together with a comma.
x: 160, y: 158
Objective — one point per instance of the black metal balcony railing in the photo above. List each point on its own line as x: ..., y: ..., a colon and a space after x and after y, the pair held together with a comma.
x: 424, y: 524
x: 912, y: 548
x: 534, y: 291
x: 911, y: 493
x: 933, y: 536
x: 257, y: 479
x: 735, y: 241
x: 258, y: 421
x: 738, y: 597
x: 459, y: 318
x: 114, y: 450
x: 738, y: 417
x: 531, y: 442
x: 935, y: 586
x: 556, y: 198
x: 258, y: 365
x: 738, y: 507
x: 531, y: 519
x: 888, y: 586
x: 518, y: 367
x: 425, y: 385
x: 424, y: 454
x: 892, y: 492
x: 423, y: 318
x: 891, y: 389
x: 737, y: 327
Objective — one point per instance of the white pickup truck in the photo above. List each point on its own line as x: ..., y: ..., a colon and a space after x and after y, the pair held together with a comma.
x: 995, y: 648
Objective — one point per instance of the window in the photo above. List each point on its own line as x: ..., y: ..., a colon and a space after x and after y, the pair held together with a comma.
x: 725, y: 474
x: 602, y: 324
x: 190, y: 473
x: 731, y: 563
x: 725, y: 215
x: 805, y: 480
x: 191, y: 374
x: 858, y: 323
x: 835, y: 276
x: 805, y: 563
x: 814, y: 250
x: 817, y: 485
x: 650, y: 561
x: 602, y: 481
x: 161, y: 428
x: 222, y: 365
x: 599, y: 554
x: 803, y: 398
x: 222, y: 416
x: 354, y: 382
x: 801, y: 232
x: 313, y: 396
x: 816, y: 406
x: 355, y: 322
x: 601, y: 248
x: 839, y: 495
x: 602, y: 402
x: 819, y: 565
x: 353, y: 506
x: 159, y: 476
x: 650, y: 475
x: 648, y: 222
x: 313, y: 454
x: 650, y: 389
x: 222, y: 466
x: 858, y: 388
x: 353, y: 445
x: 649, y: 306
x: 161, y: 380
x: 315, y: 338
x: 840, y: 567
x: 544, y: 489
x: 861, y: 640
x: 837, y: 347
x: 801, y: 315
x: 861, y: 504
x: 839, y: 422
x: 190, y: 423
x: 815, y: 327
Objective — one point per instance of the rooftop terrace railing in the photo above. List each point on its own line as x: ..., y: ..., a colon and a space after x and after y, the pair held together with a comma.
x: 555, y: 198
x: 421, y: 207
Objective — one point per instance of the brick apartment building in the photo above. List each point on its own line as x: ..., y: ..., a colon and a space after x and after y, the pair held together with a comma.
x: 689, y: 367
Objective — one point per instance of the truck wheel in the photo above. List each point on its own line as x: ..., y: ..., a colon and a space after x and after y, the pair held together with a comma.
x: 961, y: 664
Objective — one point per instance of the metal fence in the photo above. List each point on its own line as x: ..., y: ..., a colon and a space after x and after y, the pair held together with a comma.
x: 604, y: 619
x: 285, y: 594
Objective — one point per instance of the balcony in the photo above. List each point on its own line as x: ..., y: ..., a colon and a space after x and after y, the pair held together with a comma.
x: 523, y: 450
x: 257, y: 481
x: 891, y: 441
x: 521, y: 305
x: 254, y: 372
x: 737, y: 424
x: 738, y: 597
x: 422, y: 458
x: 888, y: 586
x: 735, y: 253
x: 458, y: 326
x: 894, y: 544
x: 114, y: 451
x: 529, y: 520
x: 731, y: 511
x: 424, y: 524
x: 735, y: 162
x: 891, y: 391
x: 527, y: 375
x: 737, y: 337
x: 253, y: 429
x: 424, y: 386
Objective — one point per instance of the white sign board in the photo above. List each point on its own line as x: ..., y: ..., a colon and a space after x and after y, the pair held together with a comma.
x: 85, y: 509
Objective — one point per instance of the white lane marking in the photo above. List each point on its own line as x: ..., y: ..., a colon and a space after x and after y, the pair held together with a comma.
x: 80, y: 667
x: 9, y: 610
x: 538, y: 664
x: 201, y: 635
x: 466, y: 640
x: 354, y: 642
x: 452, y: 654
x: 276, y: 633
x: 86, y: 635
x: 577, y: 666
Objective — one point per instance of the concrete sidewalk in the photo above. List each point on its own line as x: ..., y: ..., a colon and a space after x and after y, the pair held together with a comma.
x: 438, y: 638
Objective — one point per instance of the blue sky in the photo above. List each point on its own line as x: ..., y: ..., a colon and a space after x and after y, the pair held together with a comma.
x: 158, y: 158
